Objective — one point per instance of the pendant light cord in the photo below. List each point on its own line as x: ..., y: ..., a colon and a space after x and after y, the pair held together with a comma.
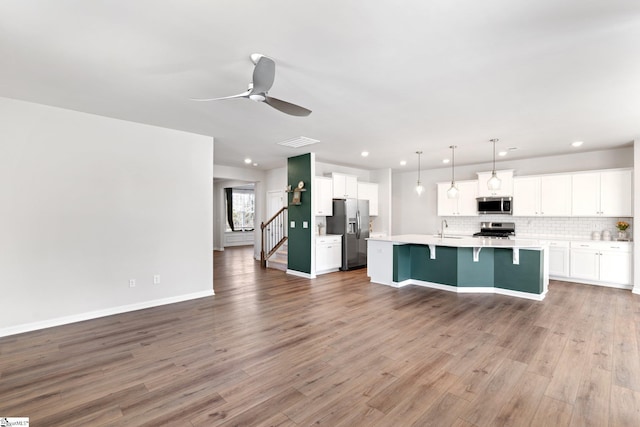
x: 453, y: 162
x: 494, y: 155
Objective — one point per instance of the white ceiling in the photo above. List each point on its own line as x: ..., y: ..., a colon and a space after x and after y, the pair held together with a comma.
x: 383, y: 76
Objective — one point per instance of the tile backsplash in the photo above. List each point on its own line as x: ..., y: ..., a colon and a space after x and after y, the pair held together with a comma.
x: 568, y: 227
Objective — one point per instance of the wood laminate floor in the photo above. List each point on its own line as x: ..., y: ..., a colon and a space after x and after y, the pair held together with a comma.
x: 277, y: 350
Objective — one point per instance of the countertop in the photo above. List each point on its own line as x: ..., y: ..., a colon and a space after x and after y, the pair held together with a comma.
x: 461, y: 242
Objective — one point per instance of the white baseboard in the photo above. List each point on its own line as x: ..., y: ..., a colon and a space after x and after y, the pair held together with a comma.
x: 34, y: 326
x: 301, y: 274
x: 592, y: 282
x: 468, y: 289
x: 329, y: 270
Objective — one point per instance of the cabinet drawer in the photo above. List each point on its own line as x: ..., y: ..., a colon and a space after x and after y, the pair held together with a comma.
x: 328, y: 239
x: 557, y: 243
x: 585, y: 245
x: 603, y: 246
x: 616, y: 247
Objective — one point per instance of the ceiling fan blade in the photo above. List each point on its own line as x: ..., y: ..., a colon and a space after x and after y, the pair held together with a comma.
x: 263, y: 75
x: 287, y: 107
x: 240, y: 95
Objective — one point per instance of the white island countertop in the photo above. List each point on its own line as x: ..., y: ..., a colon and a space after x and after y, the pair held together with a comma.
x: 461, y: 242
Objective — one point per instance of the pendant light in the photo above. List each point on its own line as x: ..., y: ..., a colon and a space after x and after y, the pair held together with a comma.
x: 419, y: 186
x: 453, y: 192
x: 494, y: 182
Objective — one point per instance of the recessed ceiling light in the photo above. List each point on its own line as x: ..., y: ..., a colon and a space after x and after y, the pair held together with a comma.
x: 502, y: 153
x: 247, y: 160
x: 577, y: 143
x: 403, y: 163
x: 445, y: 160
x: 364, y: 153
x: 255, y: 164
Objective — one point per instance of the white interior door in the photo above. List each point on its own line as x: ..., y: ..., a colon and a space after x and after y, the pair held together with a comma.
x: 275, y: 201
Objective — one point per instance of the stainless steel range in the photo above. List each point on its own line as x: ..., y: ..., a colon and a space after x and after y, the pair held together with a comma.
x: 496, y: 230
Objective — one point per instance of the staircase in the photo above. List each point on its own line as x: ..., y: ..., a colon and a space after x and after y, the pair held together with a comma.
x: 279, y: 259
x: 273, y: 240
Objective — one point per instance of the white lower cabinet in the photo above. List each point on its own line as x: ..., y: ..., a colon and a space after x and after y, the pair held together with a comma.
x: 558, y: 257
x: 328, y: 253
x: 603, y: 263
x: 615, y: 267
x: 585, y: 262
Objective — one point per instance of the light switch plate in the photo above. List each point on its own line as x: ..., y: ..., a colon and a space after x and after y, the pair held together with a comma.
x: 305, y: 224
x: 293, y: 224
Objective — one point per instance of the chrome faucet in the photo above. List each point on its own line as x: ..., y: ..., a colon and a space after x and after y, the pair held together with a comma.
x: 443, y: 225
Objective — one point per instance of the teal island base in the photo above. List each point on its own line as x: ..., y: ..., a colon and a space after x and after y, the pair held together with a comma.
x: 515, y: 271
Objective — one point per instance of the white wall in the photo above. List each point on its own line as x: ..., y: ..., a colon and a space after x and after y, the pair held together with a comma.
x: 276, y: 179
x: 383, y: 222
x: 89, y: 203
x: 418, y: 214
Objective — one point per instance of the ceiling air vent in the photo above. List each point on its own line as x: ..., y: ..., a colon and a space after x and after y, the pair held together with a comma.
x: 298, y: 142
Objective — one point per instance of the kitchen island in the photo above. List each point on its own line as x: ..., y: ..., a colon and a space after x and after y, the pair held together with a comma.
x: 517, y: 267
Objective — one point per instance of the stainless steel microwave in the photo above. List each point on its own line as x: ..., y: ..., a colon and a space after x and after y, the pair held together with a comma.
x: 495, y: 205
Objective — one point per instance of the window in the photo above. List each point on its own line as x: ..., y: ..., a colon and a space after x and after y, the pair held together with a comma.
x: 243, y: 205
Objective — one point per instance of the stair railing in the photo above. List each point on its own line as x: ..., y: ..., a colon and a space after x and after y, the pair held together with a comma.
x: 273, y: 235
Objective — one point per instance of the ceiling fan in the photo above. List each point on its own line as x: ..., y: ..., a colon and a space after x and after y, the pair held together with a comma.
x: 263, y: 76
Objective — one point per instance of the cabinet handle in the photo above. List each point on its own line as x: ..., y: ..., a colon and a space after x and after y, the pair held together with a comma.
x: 584, y: 246
x: 615, y: 247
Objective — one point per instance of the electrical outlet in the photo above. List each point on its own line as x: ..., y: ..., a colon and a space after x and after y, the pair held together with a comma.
x: 132, y: 283
x: 156, y: 279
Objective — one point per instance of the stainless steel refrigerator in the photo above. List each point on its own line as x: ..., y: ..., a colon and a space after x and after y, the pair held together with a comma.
x: 351, y: 220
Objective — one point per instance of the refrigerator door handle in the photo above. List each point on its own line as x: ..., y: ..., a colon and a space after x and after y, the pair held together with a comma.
x: 358, y: 226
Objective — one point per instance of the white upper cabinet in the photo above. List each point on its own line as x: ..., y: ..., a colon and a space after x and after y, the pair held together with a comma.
x: 605, y: 193
x: 369, y: 191
x: 526, y: 196
x: 506, y: 185
x: 616, y: 193
x: 323, y: 196
x: 464, y: 205
x: 344, y: 186
x: 585, y: 197
x: 555, y: 195
x: 542, y: 195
